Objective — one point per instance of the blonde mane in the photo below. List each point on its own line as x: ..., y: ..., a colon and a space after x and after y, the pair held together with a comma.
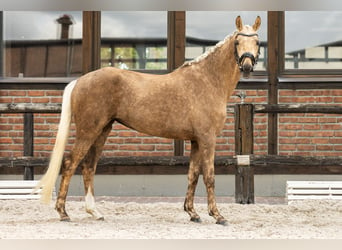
x: 208, y: 52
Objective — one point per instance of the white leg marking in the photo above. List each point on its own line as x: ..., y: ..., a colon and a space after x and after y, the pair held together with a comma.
x: 90, y: 206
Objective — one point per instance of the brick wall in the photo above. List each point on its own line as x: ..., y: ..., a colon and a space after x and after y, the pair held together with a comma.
x: 310, y: 134
x: 299, y: 134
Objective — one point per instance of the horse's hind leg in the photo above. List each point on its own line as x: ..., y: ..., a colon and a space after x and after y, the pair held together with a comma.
x: 193, y: 174
x: 88, y: 170
x: 70, y: 164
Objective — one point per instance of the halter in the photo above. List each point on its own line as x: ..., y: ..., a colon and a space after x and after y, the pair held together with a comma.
x: 249, y: 55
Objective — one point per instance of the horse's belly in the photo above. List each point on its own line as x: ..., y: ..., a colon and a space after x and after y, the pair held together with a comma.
x: 166, y: 130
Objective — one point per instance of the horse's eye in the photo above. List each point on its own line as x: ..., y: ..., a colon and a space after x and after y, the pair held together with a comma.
x: 236, y: 42
x: 257, y: 43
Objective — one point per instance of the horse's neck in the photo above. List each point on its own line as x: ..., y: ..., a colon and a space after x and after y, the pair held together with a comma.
x: 221, y: 68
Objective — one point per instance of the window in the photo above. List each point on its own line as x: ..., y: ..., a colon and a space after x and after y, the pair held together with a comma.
x: 201, y: 35
x: 134, y: 40
x: 42, y: 44
x: 313, y: 40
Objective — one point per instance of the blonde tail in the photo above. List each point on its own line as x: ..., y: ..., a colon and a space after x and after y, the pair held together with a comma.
x: 49, y: 179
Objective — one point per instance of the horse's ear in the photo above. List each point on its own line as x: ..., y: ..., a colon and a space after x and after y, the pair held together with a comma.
x: 257, y: 23
x: 238, y: 22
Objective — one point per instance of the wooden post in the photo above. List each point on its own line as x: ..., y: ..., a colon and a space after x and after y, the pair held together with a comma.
x: 28, y: 144
x: 275, y: 66
x: 244, y: 176
x: 176, y: 54
x: 91, y: 41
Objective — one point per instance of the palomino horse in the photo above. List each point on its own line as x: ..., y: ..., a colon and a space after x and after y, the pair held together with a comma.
x: 188, y: 103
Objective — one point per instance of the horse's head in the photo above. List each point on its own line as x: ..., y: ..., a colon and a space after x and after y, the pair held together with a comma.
x: 246, y: 45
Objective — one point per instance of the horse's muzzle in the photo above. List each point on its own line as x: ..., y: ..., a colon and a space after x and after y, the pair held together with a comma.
x: 245, y: 67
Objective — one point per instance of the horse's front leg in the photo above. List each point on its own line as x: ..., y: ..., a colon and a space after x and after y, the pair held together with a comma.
x: 208, y: 153
x: 194, y: 171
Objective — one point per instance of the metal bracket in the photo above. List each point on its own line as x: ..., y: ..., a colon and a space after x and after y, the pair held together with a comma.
x: 242, y: 95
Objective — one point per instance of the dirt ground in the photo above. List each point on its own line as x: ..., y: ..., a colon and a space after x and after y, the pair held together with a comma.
x: 28, y: 219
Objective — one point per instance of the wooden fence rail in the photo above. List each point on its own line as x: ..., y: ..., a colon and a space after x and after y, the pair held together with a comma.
x: 175, y: 165
x: 30, y: 108
x: 297, y: 108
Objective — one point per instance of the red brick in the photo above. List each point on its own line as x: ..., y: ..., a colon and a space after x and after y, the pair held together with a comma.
x: 111, y: 147
x: 335, y: 140
x: 164, y: 147
x: 153, y: 140
x: 146, y: 147
x: 331, y: 126
x: 6, y: 127
x: 6, y: 140
x: 115, y: 140
x: 287, y: 133
x: 42, y: 126
x: 18, y: 93
x: 260, y: 126
x: 6, y: 100
x: 4, y: 93
x: 133, y: 140
x: 18, y: 140
x: 337, y: 147
x: 52, y: 120
x: 315, y: 133
x: 5, y: 134
x: 338, y: 133
x: 324, y: 147
x: 323, y: 140
x: 283, y: 99
x: 15, y: 120
x: 324, y: 99
x: 287, y: 93
x: 292, y: 126
x: 259, y: 140
x: 336, y: 92
x: 129, y: 147
x: 301, y: 153
x: 288, y: 119
x: 127, y: 134
x: 305, y: 147
x: 54, y: 93
x: 40, y: 100
x: 56, y: 100
x: 22, y: 100
x: 311, y: 127
x: 327, y: 119
x: 308, y: 120
x: 287, y: 147
x: 304, y: 99
x: 36, y: 93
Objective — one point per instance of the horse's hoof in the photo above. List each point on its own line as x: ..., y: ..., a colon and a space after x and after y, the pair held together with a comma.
x: 65, y: 219
x: 196, y: 219
x: 222, y: 222
x: 100, y: 218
